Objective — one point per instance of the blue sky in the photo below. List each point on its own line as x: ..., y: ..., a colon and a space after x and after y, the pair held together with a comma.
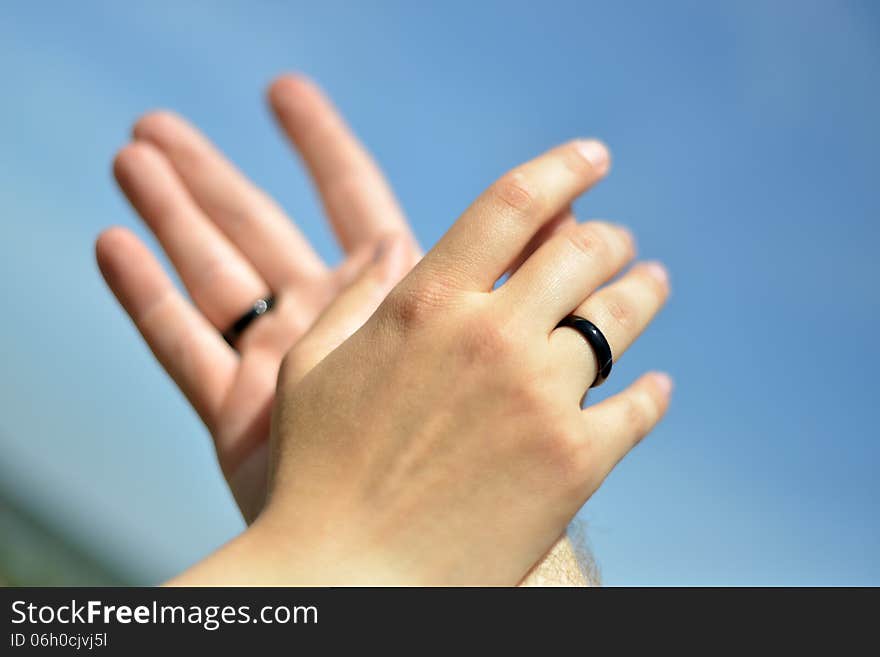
x: 745, y: 138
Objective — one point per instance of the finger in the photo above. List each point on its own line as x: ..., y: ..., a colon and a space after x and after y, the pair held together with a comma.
x: 190, y: 350
x: 221, y: 282
x: 351, y: 309
x: 245, y: 419
x: 621, y: 311
x: 562, y: 221
x: 381, y: 266
x: 245, y: 214
x: 566, y: 269
x: 487, y: 238
x: 617, y: 424
x: 353, y: 266
x: 275, y: 336
x: 356, y: 196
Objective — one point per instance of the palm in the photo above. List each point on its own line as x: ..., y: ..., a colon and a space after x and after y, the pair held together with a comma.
x: 242, y: 420
x: 231, y: 244
x: 241, y: 423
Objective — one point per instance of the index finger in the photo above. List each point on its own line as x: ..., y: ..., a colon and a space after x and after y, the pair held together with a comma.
x: 499, y: 225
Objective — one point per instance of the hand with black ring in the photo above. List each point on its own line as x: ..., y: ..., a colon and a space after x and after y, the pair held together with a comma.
x: 232, y: 246
x: 445, y: 442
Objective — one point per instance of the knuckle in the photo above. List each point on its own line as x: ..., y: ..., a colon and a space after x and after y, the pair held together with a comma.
x: 484, y: 340
x: 622, y: 310
x: 563, y: 443
x: 591, y: 239
x: 411, y: 307
x: 515, y: 192
x: 555, y: 435
x: 526, y: 398
x: 349, y: 182
x: 214, y: 275
x: 246, y: 209
x: 244, y: 212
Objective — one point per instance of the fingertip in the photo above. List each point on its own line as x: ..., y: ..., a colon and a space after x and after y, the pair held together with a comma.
x: 658, y: 273
x: 662, y: 386
x: 595, y: 152
x: 120, y: 250
x: 285, y: 89
x: 130, y: 157
x: 279, y: 87
x: 109, y: 244
x: 156, y: 125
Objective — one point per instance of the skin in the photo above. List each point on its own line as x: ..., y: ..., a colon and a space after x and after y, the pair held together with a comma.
x: 230, y: 244
x: 445, y: 443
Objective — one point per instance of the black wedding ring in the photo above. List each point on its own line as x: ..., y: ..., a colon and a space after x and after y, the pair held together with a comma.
x: 260, y: 307
x: 597, y: 342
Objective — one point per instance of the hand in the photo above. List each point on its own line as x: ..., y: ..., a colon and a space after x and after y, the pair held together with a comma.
x: 444, y: 442
x: 231, y: 245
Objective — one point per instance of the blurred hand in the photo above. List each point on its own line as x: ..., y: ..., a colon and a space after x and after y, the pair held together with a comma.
x: 444, y: 442
x: 231, y: 244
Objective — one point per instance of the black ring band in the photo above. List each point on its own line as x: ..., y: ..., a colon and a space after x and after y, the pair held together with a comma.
x: 597, y: 343
x: 260, y: 307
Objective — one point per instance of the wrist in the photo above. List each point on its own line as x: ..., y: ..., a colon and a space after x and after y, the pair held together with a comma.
x: 277, y: 551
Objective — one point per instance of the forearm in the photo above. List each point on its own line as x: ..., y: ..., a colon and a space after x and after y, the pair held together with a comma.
x: 564, y: 565
x: 264, y: 557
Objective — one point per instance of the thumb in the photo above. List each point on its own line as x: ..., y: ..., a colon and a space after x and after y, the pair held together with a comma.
x: 352, y: 307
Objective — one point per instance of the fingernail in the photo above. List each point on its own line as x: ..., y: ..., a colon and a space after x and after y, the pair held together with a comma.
x: 664, y: 382
x: 658, y: 272
x: 595, y: 153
